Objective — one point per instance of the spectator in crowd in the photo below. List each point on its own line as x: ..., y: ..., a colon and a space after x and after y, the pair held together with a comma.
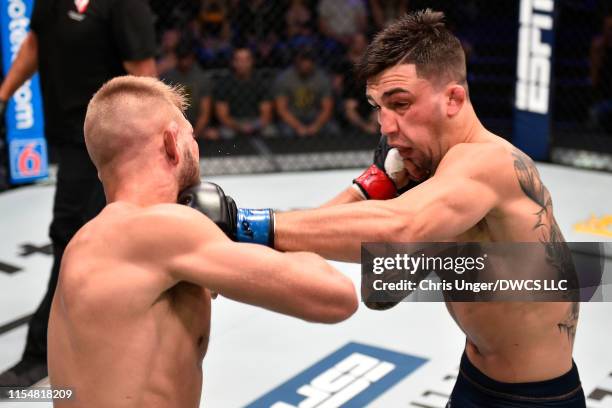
x: 341, y: 68
x: 259, y: 23
x: 357, y: 110
x: 173, y: 14
x: 254, y: 20
x: 197, y: 88
x: 214, y: 31
x: 298, y: 19
x: 242, y: 101
x: 270, y: 51
x: 302, y: 32
x: 167, y: 52
x: 341, y: 19
x: 384, y: 11
x: 601, y: 76
x: 304, y: 98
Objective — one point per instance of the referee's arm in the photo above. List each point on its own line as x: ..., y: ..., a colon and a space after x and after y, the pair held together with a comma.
x: 145, y: 67
x: 24, y: 66
x: 131, y: 25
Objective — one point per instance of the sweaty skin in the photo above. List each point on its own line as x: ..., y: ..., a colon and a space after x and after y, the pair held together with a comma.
x: 130, y: 320
x: 477, y: 187
x: 120, y: 324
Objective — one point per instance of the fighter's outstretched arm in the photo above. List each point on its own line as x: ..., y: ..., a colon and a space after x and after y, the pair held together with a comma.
x: 346, y: 196
x: 193, y: 249
x: 457, y: 197
x: 299, y: 284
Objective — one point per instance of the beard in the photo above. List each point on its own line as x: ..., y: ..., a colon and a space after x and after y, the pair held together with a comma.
x: 189, y: 175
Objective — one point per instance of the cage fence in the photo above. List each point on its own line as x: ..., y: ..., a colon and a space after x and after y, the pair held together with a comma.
x: 271, y: 84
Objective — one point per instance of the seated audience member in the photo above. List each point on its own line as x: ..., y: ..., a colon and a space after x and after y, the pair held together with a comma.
x: 298, y: 19
x: 304, y: 98
x: 357, y: 110
x: 385, y: 11
x: 214, y: 31
x: 197, y: 87
x: 253, y: 20
x: 242, y: 100
x: 259, y: 24
x: 167, y: 55
x: 341, y: 19
x: 342, y: 65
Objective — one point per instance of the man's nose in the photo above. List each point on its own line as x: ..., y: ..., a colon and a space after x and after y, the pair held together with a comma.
x: 388, y: 122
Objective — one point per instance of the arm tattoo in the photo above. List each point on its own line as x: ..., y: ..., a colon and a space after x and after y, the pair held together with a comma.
x: 557, y: 253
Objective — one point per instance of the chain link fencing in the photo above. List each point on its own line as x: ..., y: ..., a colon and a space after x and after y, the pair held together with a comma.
x: 581, y: 101
x: 271, y: 83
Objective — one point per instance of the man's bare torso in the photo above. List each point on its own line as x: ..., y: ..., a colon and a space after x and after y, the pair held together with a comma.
x: 518, y: 341
x: 118, y: 335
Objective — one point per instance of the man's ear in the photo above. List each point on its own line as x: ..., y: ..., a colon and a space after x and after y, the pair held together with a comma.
x: 455, y: 98
x: 171, y: 142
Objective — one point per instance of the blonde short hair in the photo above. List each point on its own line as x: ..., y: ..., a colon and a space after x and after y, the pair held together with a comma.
x: 121, y: 101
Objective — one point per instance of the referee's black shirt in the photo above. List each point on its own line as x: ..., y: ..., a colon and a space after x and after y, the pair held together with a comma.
x: 80, y: 50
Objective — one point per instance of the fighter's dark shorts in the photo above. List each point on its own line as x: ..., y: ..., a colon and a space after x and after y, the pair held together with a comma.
x: 474, y: 389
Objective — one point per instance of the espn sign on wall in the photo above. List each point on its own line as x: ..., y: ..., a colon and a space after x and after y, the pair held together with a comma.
x: 27, y: 146
x: 534, y: 73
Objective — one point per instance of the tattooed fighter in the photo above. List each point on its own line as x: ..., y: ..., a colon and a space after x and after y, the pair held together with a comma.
x: 472, y: 186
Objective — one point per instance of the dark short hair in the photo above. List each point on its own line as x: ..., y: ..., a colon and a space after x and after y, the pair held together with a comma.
x: 420, y: 38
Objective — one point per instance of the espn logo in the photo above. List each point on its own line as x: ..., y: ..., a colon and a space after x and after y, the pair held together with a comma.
x: 350, y: 377
x: 534, y: 55
x: 342, y: 382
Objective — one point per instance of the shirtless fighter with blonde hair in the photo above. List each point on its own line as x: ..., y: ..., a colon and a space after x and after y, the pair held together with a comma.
x: 130, y: 319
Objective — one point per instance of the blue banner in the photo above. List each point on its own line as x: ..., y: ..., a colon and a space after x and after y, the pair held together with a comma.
x: 27, y: 146
x: 351, y: 377
x: 534, y: 76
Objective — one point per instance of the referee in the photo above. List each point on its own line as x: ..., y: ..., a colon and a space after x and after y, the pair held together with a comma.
x: 76, y: 46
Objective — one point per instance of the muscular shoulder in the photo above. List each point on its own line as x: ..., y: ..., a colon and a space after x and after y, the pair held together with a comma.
x: 137, y: 244
x: 170, y: 224
x: 498, y: 165
x: 477, y: 160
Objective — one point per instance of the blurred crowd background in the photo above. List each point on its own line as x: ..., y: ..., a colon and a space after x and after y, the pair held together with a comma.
x: 282, y: 70
x: 271, y: 83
